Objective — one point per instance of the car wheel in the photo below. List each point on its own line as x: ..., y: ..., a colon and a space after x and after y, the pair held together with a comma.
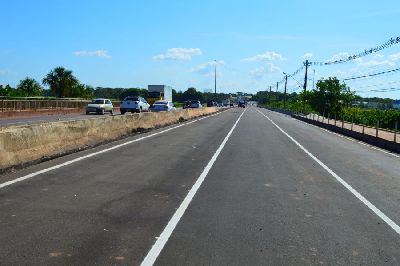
x: 102, y: 112
x: 112, y: 111
x: 87, y: 112
x: 140, y: 110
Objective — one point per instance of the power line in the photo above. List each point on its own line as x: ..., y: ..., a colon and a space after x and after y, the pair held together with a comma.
x: 387, y: 44
x: 372, y: 75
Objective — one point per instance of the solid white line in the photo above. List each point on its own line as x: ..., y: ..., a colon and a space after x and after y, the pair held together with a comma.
x: 8, y: 183
x: 371, y: 206
x: 158, y: 246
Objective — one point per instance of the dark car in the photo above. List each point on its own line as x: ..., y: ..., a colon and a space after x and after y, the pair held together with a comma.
x: 195, y: 104
x: 187, y: 104
x: 211, y: 104
x: 242, y: 104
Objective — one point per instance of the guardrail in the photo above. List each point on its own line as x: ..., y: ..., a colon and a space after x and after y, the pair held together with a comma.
x: 384, y: 138
x: 7, y: 105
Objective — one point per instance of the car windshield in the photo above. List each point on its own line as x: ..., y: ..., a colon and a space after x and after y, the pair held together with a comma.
x: 131, y: 99
x: 160, y: 103
x: 154, y: 94
x: 97, y: 101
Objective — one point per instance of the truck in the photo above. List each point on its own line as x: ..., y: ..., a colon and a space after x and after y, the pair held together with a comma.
x: 159, y: 92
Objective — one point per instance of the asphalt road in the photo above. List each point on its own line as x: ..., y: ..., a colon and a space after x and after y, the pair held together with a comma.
x: 243, y: 187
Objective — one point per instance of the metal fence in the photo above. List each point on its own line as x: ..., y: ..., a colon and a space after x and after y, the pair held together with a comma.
x: 44, y: 104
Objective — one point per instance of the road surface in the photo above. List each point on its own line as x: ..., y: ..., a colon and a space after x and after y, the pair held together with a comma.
x: 243, y: 187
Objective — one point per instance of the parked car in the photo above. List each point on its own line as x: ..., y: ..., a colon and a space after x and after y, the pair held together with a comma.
x: 195, y: 104
x: 187, y: 104
x: 134, y: 104
x: 100, y: 106
x: 211, y: 103
x: 161, y: 105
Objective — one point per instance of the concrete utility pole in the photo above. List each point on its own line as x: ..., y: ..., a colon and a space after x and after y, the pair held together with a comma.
x: 284, y: 99
x: 307, y: 64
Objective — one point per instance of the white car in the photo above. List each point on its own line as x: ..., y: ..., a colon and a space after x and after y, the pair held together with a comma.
x: 99, y: 106
x: 160, y: 105
x: 134, y: 104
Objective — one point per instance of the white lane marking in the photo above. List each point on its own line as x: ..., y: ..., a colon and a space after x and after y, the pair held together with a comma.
x: 22, y: 178
x: 158, y: 246
x: 371, y: 206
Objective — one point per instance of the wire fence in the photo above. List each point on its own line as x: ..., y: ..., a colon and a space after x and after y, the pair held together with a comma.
x: 363, y: 127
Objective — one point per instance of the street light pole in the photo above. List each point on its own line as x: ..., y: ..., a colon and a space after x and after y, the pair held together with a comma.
x: 215, y: 80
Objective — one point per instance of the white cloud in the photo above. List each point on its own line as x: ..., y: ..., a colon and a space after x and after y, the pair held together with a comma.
x: 261, y: 72
x: 307, y: 56
x: 97, y: 53
x: 339, y: 56
x: 207, y: 68
x: 178, y: 54
x: 379, y: 60
x: 257, y: 73
x: 267, y: 56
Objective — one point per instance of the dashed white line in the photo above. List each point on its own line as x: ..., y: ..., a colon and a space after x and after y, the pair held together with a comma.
x: 158, y: 246
x: 371, y: 206
x: 22, y: 178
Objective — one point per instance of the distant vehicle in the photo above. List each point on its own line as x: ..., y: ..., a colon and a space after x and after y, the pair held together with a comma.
x: 231, y: 104
x: 211, y: 103
x: 195, y: 104
x: 242, y: 104
x: 100, y: 106
x: 134, y: 104
x: 226, y: 102
x: 166, y: 106
x: 159, y: 92
x: 187, y: 104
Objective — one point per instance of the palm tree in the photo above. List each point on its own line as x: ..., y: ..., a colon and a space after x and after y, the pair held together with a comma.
x: 61, y: 82
x: 29, y: 87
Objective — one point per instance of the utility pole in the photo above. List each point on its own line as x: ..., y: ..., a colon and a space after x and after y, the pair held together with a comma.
x: 307, y: 64
x: 215, y: 81
x: 277, y: 86
x: 284, y: 99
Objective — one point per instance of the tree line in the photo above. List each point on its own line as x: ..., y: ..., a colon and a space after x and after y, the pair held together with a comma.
x: 63, y: 84
x: 330, y: 97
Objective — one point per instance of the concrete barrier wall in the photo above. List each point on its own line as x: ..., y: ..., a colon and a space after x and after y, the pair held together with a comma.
x: 24, y: 144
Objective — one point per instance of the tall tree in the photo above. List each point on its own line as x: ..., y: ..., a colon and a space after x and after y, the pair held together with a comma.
x: 29, y: 87
x: 330, y: 96
x: 61, y: 81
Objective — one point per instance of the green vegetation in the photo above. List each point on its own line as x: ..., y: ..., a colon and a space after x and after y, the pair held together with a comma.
x: 334, y: 99
x: 369, y: 117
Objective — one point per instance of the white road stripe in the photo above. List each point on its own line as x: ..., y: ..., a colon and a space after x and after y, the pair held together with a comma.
x: 158, y: 246
x: 22, y: 178
x: 371, y: 206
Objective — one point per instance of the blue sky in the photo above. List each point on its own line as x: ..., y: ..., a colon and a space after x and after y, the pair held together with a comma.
x: 136, y: 43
